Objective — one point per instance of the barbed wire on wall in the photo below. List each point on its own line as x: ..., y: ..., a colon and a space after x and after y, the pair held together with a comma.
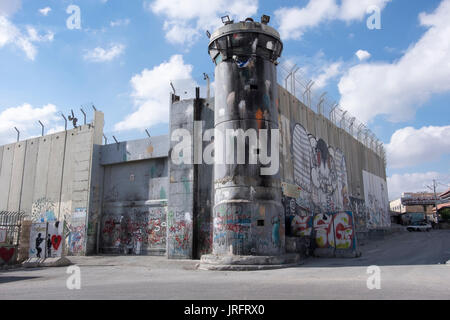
x: 294, y: 81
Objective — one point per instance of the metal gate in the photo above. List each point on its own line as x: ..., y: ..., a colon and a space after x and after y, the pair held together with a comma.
x: 10, y: 225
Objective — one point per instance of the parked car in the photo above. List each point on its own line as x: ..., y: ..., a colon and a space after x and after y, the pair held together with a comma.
x: 419, y: 226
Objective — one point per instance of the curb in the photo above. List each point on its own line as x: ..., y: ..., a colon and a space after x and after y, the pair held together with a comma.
x: 243, y: 267
x: 49, y: 262
x: 248, y: 263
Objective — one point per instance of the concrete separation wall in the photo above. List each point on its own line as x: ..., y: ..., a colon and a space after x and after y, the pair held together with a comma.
x: 135, y: 208
x: 49, y: 178
x: 325, y: 172
x: 181, y: 183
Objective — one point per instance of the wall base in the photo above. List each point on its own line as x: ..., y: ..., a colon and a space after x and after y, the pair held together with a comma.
x: 48, y: 262
x: 336, y: 253
x: 248, y: 263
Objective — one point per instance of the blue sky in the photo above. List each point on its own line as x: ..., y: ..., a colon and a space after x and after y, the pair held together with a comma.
x: 126, y: 53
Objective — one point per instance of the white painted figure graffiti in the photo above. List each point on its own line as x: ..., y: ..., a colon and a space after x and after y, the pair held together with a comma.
x: 320, y: 171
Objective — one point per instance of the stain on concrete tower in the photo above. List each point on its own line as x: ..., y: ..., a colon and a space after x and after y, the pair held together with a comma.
x: 248, y: 215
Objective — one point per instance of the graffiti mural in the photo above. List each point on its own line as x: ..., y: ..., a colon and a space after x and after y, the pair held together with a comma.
x: 334, y: 230
x: 298, y: 220
x: 54, y: 240
x: 77, y: 232
x: 7, y: 254
x: 323, y: 230
x: 179, y: 233
x: 134, y: 230
x: 360, y: 213
x: 38, y: 237
x: 377, y: 201
x: 321, y: 173
x: 344, y: 231
x: 43, y: 210
x: 232, y: 228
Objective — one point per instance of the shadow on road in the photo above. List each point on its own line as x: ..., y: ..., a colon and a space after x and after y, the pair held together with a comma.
x: 4, y: 279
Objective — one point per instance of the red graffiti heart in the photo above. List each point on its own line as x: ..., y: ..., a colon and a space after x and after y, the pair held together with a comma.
x: 6, y: 254
x: 56, y: 241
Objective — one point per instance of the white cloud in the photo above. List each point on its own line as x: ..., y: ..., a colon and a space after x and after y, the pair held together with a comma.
x: 411, y: 182
x: 328, y: 72
x: 9, y: 7
x: 295, y: 21
x: 409, y: 146
x: 398, y: 89
x: 186, y: 20
x: 45, y: 11
x: 34, y: 36
x: 318, y: 68
x: 120, y: 23
x: 151, y: 90
x: 104, y: 55
x: 10, y: 34
x: 25, y: 118
x: 357, y: 9
x: 363, y: 55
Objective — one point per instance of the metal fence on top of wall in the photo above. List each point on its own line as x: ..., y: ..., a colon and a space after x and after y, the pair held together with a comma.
x: 291, y: 78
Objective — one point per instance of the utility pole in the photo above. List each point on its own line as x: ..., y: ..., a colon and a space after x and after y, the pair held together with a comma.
x: 435, y: 200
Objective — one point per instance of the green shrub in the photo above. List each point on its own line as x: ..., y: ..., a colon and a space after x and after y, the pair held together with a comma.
x: 445, y: 214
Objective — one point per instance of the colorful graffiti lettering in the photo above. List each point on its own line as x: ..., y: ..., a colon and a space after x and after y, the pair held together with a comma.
x: 301, y: 226
x: 324, y: 233
x: 334, y: 230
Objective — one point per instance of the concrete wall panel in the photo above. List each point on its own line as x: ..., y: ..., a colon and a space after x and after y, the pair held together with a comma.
x: 15, y: 189
x: 181, y: 195
x: 5, y: 175
x: 29, y: 175
x: 55, y: 169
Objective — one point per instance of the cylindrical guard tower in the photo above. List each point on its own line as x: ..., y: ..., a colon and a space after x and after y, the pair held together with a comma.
x: 248, y: 215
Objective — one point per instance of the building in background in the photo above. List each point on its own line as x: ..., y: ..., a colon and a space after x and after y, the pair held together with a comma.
x: 415, y: 206
x: 443, y: 208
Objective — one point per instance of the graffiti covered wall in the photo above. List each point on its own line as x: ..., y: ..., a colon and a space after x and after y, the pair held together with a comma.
x: 77, y: 232
x: 50, y: 176
x: 326, y: 164
x: 134, y: 210
x: 38, y: 236
x: 54, y: 240
x: 180, y: 220
x: 320, y: 171
x: 138, y: 230
x: 377, y: 201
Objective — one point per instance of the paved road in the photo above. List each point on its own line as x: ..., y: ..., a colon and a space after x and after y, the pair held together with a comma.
x: 412, y: 267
